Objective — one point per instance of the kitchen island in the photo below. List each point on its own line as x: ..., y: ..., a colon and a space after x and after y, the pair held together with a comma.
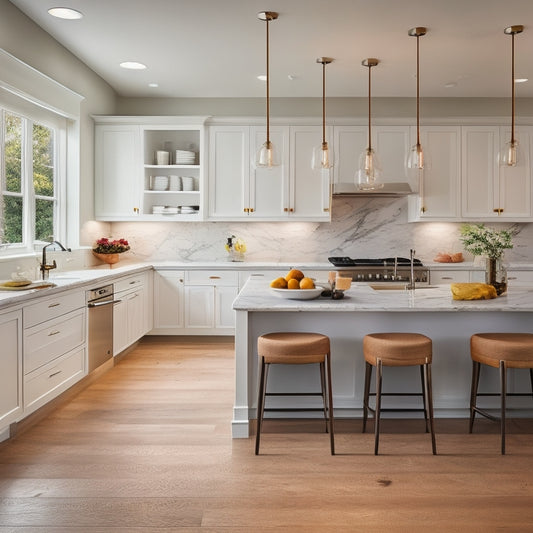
x: 427, y: 310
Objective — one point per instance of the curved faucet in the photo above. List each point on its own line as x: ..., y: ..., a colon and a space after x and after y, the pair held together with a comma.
x: 44, y: 267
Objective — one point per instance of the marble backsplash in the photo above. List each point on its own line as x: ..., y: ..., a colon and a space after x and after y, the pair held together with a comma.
x: 360, y: 227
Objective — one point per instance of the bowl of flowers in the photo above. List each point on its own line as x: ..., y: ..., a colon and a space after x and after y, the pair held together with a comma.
x: 109, y: 251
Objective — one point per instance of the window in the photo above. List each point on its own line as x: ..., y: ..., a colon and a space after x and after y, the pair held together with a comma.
x: 29, y: 199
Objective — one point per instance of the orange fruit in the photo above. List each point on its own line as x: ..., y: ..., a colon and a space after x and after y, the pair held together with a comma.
x: 294, y: 274
x: 293, y: 284
x: 279, y: 283
x: 307, y: 283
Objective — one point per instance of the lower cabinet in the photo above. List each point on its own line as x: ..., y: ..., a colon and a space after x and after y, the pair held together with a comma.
x: 195, y: 302
x: 55, y: 347
x: 10, y: 368
x: 129, y: 314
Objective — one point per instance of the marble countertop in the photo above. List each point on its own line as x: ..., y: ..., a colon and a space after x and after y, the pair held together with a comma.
x: 256, y: 295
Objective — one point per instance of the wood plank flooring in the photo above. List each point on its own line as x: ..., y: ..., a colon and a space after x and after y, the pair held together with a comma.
x: 148, y: 448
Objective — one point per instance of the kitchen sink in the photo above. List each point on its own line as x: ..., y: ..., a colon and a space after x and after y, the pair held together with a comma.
x: 397, y: 287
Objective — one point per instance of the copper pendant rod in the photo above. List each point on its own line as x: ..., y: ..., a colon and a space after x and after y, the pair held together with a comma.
x: 323, y: 102
x: 512, y: 91
x: 418, y: 90
x: 369, y: 108
x: 267, y: 86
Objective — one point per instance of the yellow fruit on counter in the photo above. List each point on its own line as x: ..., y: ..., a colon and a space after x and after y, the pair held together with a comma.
x: 293, y: 284
x: 279, y: 283
x: 307, y: 283
x: 294, y: 274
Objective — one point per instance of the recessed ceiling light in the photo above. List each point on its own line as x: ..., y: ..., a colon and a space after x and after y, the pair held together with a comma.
x: 154, y: 85
x: 262, y: 77
x: 133, y: 65
x: 65, y: 13
x: 521, y: 80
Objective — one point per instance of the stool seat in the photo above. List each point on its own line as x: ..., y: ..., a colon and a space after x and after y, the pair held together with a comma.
x: 397, y: 349
x: 295, y: 348
x: 516, y: 349
x: 503, y: 351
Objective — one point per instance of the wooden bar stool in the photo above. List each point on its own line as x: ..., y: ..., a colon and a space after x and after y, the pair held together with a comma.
x: 397, y: 349
x: 503, y: 351
x: 287, y: 348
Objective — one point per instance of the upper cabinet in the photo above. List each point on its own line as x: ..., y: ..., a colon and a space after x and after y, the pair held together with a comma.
x: 439, y: 187
x: 491, y: 192
x: 290, y: 191
x: 135, y: 180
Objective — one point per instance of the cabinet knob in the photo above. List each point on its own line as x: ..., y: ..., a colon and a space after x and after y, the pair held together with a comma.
x: 251, y: 210
x: 291, y: 210
x: 285, y: 209
x: 423, y: 209
x: 498, y: 210
x: 136, y: 210
x: 326, y: 209
x: 246, y: 210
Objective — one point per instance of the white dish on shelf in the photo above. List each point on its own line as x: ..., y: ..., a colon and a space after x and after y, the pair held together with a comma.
x: 298, y: 294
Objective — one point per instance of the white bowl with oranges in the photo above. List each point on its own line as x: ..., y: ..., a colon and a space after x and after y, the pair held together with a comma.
x: 295, y: 286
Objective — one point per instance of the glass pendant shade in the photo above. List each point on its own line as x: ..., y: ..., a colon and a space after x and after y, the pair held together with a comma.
x: 267, y: 156
x: 323, y: 157
x: 415, y: 157
x: 369, y: 172
x: 510, y: 154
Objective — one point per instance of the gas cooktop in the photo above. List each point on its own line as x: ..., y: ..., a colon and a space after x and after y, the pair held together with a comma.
x: 387, y: 261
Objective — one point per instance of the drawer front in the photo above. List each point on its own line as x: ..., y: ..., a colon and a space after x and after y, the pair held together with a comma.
x: 212, y: 277
x: 53, y: 307
x: 131, y: 282
x: 449, y: 276
x: 44, y: 384
x: 45, y: 342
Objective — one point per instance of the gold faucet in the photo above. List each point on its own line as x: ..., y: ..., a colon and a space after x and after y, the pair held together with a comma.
x: 44, y: 267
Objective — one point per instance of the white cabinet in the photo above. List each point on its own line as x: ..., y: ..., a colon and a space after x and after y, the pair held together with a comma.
x: 208, y: 302
x: 128, y: 181
x: 438, y: 195
x: 10, y: 367
x: 129, y: 315
x: 491, y: 192
x: 117, y: 172
x: 438, y: 277
x: 291, y: 191
x: 55, y: 346
x: 168, y: 301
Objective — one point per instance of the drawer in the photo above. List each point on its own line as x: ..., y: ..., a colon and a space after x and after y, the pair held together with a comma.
x: 53, y: 307
x: 45, y: 342
x: 520, y: 276
x: 128, y: 283
x: 47, y: 382
x: 437, y: 277
x: 212, y: 277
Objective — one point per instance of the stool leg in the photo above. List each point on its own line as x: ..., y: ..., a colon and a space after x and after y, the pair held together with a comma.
x: 503, y: 380
x: 423, y: 381
x: 476, y: 367
x: 377, y: 416
x: 330, y: 405
x: 368, y: 377
x: 260, y: 404
x: 429, y: 394
x: 323, y: 390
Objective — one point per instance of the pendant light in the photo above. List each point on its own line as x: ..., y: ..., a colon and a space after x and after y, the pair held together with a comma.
x: 509, y: 153
x: 415, y: 157
x: 367, y: 177
x: 267, y: 156
x: 323, y: 155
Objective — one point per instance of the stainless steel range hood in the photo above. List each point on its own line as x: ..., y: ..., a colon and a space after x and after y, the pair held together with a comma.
x: 388, y: 190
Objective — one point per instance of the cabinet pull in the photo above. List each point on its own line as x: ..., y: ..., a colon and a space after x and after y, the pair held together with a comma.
x: 55, y: 373
x: 136, y: 210
x: 53, y: 305
x: 326, y: 209
x: 511, y: 277
x: 291, y: 210
x: 446, y: 277
x: 285, y: 209
x: 55, y: 332
x: 498, y: 210
x: 134, y: 282
x: 214, y: 277
x: 251, y: 209
x: 246, y: 210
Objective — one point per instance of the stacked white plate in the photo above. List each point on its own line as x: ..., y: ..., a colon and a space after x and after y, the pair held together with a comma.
x: 187, y: 183
x: 160, y: 183
x: 168, y: 210
x: 158, y: 209
x: 187, y: 209
x: 174, y: 183
x: 185, y: 157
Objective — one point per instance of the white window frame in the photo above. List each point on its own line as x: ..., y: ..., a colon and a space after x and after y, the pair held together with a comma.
x: 31, y: 115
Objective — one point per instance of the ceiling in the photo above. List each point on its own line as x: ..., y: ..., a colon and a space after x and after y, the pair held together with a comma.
x: 215, y: 48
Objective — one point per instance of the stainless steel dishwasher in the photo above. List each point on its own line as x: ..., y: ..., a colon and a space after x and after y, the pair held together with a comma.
x: 100, y: 303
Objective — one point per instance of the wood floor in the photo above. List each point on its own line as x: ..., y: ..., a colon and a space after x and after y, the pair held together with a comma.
x: 148, y: 448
